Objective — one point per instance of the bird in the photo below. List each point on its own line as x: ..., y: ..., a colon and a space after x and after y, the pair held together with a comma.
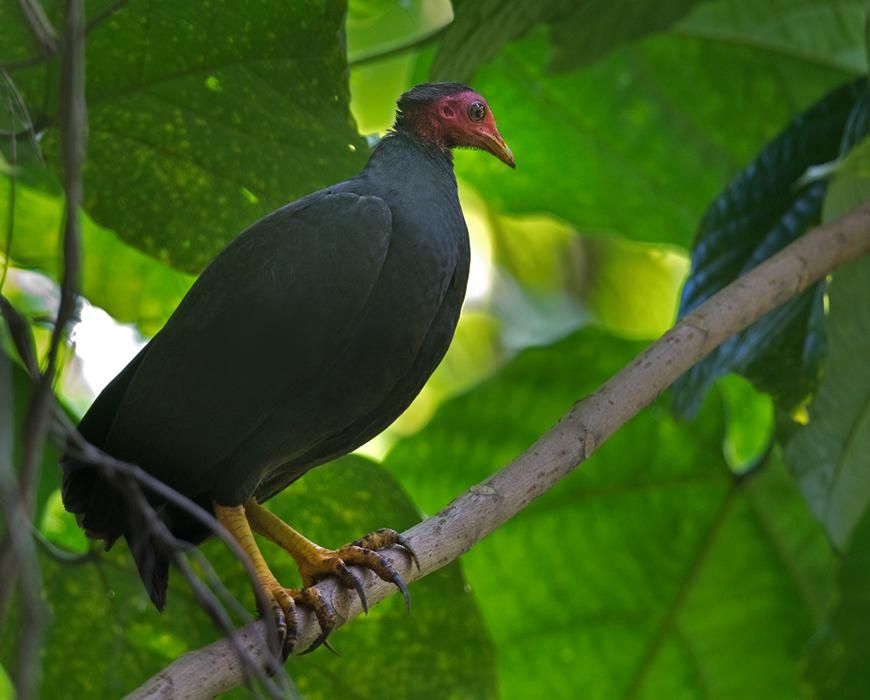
x: 304, y: 338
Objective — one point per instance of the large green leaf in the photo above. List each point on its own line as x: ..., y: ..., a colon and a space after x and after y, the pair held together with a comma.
x: 836, y: 667
x: 130, y: 285
x: 583, y: 31
x: 652, y: 572
x: 203, y: 118
x: 823, y: 31
x: 377, y: 27
x: 761, y: 211
x: 829, y: 456
x: 617, y: 149
x: 550, y: 279
x: 441, y: 650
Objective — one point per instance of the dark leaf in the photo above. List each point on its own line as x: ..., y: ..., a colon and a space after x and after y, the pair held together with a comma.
x: 830, y: 455
x: 581, y: 31
x: 761, y: 211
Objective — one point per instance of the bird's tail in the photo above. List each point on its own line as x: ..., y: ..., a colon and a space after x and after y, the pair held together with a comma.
x: 105, y: 513
x: 101, y: 508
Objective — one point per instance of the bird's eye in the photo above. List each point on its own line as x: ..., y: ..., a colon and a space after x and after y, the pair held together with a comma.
x: 476, y: 111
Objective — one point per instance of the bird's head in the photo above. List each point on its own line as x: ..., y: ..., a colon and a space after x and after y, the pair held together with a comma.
x: 451, y: 115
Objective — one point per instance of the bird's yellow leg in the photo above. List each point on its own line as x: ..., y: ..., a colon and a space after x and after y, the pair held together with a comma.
x: 284, y: 600
x: 316, y: 562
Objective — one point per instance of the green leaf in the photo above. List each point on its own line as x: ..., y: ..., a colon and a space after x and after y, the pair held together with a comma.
x: 828, y: 32
x: 130, y: 285
x: 16, y: 39
x: 761, y: 211
x: 441, y: 650
x: 596, y: 26
x: 829, y: 456
x: 559, y: 279
x: 202, y: 119
x: 582, y: 31
x: 751, y: 418
x: 617, y: 149
x: 652, y: 571
x: 377, y: 27
x: 836, y: 664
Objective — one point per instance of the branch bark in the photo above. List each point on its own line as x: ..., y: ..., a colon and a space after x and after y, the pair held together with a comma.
x: 450, y: 533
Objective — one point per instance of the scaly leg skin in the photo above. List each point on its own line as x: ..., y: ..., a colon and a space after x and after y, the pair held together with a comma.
x: 284, y: 600
x: 316, y: 563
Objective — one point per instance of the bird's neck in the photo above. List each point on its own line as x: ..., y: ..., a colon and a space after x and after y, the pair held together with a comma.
x: 399, y: 147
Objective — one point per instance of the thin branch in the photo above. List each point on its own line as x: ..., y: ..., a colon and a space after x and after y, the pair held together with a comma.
x: 104, y: 15
x: 13, y: 181
x: 36, y: 423
x: 399, y: 48
x: 46, y: 55
x: 445, y: 536
x: 130, y: 480
x: 18, y: 557
x: 40, y: 27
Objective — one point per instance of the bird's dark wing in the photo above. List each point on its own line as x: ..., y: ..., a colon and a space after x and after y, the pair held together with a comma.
x: 265, y: 319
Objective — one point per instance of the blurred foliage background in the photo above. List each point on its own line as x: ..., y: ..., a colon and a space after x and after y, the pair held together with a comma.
x: 716, y: 547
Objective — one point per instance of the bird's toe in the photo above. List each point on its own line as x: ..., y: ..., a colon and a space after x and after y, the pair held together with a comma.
x: 383, y: 539
x: 378, y: 564
x: 284, y: 604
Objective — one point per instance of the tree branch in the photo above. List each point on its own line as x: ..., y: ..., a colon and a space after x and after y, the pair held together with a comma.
x: 445, y: 536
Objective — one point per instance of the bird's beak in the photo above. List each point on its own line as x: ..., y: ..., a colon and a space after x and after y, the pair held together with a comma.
x: 491, y: 141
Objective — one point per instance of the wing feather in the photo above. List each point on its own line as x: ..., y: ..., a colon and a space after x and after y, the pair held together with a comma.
x: 265, y: 319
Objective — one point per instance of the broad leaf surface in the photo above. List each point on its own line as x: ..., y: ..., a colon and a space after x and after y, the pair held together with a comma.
x: 761, y: 211
x: 376, y: 27
x: 634, y: 576
x: 583, y: 31
x: 130, y: 285
x: 204, y: 118
x: 830, y: 32
x: 99, y: 609
x: 830, y: 455
x: 836, y: 665
x: 617, y: 149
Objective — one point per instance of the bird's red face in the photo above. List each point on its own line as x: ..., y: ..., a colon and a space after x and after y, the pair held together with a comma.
x: 463, y: 120
x: 466, y: 121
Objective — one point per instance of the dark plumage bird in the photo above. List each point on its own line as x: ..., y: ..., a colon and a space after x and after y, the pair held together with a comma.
x: 306, y: 337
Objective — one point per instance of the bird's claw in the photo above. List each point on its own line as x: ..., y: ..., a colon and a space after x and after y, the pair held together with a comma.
x: 378, y: 564
x: 284, y: 602
x: 384, y: 538
x: 365, y: 553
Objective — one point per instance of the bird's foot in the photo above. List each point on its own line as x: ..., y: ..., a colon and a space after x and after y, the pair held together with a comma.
x: 280, y: 601
x: 319, y: 563
x: 284, y: 602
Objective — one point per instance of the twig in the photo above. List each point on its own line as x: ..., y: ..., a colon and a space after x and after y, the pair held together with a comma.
x: 18, y: 557
x: 40, y: 27
x: 73, y: 126
x: 104, y: 15
x: 442, y: 538
x: 73, y: 136
x: 45, y: 55
x: 13, y: 181
x: 130, y: 479
x: 398, y: 48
